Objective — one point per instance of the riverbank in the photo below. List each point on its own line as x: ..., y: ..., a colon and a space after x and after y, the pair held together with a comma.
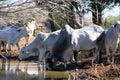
x: 84, y: 71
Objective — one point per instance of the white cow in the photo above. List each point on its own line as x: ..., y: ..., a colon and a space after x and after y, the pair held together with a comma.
x: 77, y: 40
x: 31, y: 28
x: 13, y: 36
x: 108, y: 40
x: 5, y: 28
x: 11, y: 27
x: 42, y: 44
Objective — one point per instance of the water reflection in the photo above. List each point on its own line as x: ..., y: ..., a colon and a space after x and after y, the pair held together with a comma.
x: 15, y: 70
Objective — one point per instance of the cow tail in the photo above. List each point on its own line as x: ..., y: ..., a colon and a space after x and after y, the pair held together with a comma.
x: 100, y: 41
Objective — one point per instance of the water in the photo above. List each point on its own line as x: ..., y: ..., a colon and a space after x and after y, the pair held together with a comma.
x: 15, y: 70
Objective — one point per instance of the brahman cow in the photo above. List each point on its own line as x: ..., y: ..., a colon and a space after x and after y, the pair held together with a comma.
x: 12, y: 36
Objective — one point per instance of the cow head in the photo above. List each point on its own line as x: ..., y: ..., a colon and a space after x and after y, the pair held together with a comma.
x: 31, y: 27
x: 32, y: 49
x: 26, y: 52
x: 23, y: 31
x: 117, y: 26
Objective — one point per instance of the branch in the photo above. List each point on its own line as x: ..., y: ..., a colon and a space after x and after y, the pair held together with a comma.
x: 12, y: 11
x: 14, y: 4
x: 13, y: 7
x: 95, y: 11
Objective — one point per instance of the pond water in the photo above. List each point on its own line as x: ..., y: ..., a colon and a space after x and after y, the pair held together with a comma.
x: 24, y: 70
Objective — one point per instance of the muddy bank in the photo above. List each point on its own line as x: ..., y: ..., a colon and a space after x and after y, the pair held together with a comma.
x: 84, y: 70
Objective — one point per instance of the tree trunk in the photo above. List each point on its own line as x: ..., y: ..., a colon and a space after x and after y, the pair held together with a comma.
x: 100, y: 18
x: 78, y: 20
x: 51, y: 21
x: 97, y: 13
x: 94, y: 17
x: 71, y: 19
x: 74, y: 22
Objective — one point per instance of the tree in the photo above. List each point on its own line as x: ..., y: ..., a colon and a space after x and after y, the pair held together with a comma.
x: 6, y: 7
x: 71, y: 7
x: 51, y: 22
x: 97, y: 6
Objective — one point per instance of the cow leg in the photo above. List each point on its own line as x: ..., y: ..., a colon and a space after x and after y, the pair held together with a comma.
x: 40, y: 66
x: 3, y: 44
x: 33, y: 32
x: 17, y: 44
x: 54, y: 62
x: 65, y: 65
x: 0, y: 50
x: 100, y: 57
x: 66, y: 58
x: 0, y: 46
x: 76, y: 57
x: 113, y: 55
x: 4, y: 47
x: 41, y: 56
x: 108, y: 54
x: 26, y: 40
x: 48, y: 61
x: 72, y: 60
x: 9, y: 49
x: 97, y: 56
x: 48, y: 64
x: 44, y: 64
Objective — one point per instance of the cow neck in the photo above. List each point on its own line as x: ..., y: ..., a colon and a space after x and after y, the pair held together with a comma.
x: 18, y: 37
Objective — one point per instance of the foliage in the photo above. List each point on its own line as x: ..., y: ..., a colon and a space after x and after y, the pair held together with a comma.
x: 110, y: 20
x: 97, y: 6
x: 80, y: 7
x: 64, y: 10
x: 59, y: 19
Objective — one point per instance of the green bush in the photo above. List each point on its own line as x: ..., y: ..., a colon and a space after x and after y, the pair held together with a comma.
x: 59, y: 19
x: 110, y: 20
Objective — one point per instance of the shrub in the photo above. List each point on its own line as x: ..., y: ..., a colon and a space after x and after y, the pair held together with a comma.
x: 110, y: 20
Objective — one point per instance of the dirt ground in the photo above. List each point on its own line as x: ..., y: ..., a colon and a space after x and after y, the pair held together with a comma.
x: 85, y: 69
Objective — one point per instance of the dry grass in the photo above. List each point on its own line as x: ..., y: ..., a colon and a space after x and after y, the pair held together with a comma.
x: 99, y: 72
